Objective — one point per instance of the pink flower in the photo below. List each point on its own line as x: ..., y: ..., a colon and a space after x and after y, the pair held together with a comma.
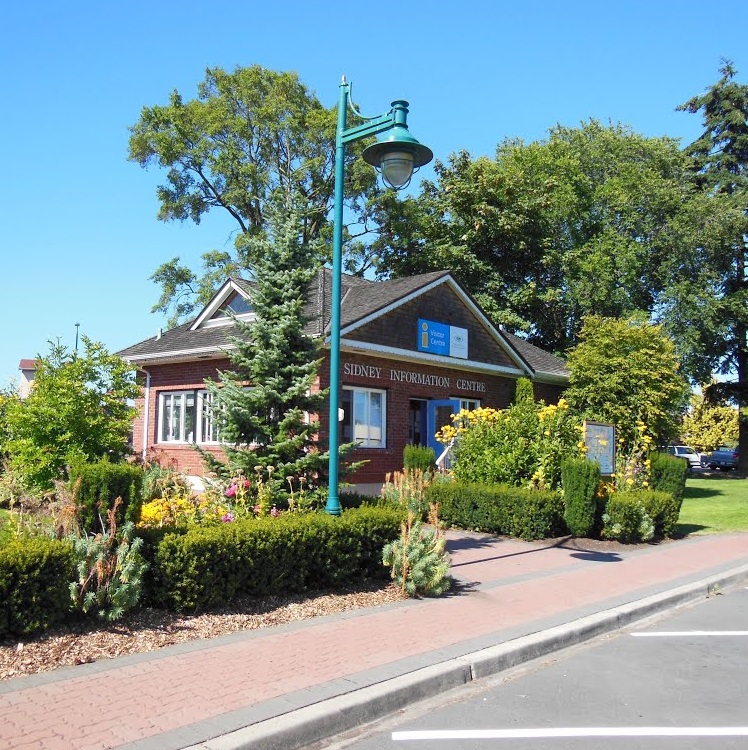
x: 231, y: 491
x: 256, y: 509
x: 227, y: 517
x: 247, y: 484
x: 274, y: 512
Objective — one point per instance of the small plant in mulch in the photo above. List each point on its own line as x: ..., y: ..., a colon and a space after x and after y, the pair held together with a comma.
x: 418, y: 558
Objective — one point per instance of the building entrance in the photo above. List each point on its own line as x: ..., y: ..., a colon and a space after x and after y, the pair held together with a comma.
x: 417, y: 421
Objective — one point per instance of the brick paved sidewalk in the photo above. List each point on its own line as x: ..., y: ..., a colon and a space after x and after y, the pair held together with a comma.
x: 198, y: 690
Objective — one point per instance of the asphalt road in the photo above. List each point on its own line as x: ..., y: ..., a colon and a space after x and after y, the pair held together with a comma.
x: 680, y: 681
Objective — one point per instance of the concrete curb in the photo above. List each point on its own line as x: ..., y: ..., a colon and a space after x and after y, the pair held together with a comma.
x: 334, y: 716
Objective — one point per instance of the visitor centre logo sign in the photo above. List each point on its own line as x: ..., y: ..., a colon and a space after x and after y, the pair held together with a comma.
x: 439, y: 338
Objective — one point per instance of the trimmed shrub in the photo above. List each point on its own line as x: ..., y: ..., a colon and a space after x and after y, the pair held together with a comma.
x: 95, y: 487
x: 419, y: 457
x: 350, y: 500
x: 499, y: 509
x: 663, y: 509
x: 626, y: 519
x: 580, y: 479
x: 208, y: 566
x: 34, y: 578
x: 668, y: 474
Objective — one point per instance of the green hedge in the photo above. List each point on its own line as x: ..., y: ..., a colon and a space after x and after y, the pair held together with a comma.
x: 580, y: 479
x: 499, y: 509
x: 209, y: 566
x: 419, y: 457
x: 668, y: 474
x: 640, y: 515
x: 34, y: 578
x: 97, y: 485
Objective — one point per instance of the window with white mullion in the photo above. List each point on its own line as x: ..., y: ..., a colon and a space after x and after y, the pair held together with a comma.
x: 364, y: 417
x: 208, y: 429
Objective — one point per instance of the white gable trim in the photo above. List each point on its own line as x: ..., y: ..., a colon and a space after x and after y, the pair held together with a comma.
x: 186, y: 355
x: 204, y: 319
x: 449, y: 280
x: 407, y: 355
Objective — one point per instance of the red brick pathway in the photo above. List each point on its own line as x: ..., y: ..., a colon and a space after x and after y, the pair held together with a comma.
x: 521, y: 583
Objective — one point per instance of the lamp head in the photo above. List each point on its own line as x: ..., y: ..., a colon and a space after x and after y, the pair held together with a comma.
x: 397, y: 154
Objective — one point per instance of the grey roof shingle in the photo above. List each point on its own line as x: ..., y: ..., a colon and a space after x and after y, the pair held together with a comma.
x: 539, y: 359
x: 359, y: 298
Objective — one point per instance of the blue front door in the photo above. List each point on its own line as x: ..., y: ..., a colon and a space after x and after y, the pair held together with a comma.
x: 438, y: 414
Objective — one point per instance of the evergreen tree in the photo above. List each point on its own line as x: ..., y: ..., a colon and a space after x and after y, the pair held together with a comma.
x: 715, y: 302
x: 263, y: 404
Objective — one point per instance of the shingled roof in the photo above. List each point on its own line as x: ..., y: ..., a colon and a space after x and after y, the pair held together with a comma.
x: 360, y: 299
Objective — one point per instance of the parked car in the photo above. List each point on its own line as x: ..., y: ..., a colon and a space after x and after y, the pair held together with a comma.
x: 683, y: 451
x: 724, y: 459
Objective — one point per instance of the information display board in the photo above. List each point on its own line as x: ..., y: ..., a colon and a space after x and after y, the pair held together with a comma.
x: 600, y: 439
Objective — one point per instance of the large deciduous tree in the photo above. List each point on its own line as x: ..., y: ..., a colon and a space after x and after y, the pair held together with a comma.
x: 248, y: 135
x: 627, y: 371
x: 710, y: 305
x: 583, y: 222
x: 78, y: 408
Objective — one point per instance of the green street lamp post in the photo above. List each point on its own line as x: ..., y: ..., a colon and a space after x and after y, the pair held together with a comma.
x: 397, y: 155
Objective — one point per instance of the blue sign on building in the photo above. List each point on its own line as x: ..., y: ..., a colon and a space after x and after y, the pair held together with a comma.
x: 438, y: 338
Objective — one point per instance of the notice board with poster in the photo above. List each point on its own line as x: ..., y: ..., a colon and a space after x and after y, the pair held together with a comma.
x: 600, y: 440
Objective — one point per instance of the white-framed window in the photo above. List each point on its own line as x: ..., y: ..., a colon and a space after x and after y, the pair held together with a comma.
x: 364, y: 417
x: 208, y: 428
x: 469, y: 404
x: 186, y: 417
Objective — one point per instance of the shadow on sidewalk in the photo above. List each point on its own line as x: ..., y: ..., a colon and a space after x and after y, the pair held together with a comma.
x: 589, y: 555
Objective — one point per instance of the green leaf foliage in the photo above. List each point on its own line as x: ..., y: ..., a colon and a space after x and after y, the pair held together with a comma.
x: 523, y: 445
x: 625, y: 371
x: 248, y: 136
x: 77, y: 410
x: 709, y: 307
x: 34, y: 576
x: 418, y: 560
x: 707, y: 426
x: 419, y: 457
x: 208, y: 566
x: 580, y: 479
x: 668, y: 474
x: 548, y: 232
x: 110, y: 568
x: 499, y: 509
x: 95, y: 488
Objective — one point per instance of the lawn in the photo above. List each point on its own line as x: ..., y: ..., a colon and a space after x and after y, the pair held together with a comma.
x: 714, y: 505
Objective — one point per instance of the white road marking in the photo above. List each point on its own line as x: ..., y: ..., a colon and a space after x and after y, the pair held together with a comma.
x: 501, y: 734
x: 686, y: 633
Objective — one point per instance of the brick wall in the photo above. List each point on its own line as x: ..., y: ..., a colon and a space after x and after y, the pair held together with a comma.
x: 356, y: 370
x: 178, y: 376
x: 499, y: 392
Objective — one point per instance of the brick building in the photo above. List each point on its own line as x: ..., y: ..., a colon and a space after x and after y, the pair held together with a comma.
x: 413, y: 351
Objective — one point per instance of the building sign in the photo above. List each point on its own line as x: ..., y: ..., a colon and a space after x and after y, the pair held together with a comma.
x: 411, y: 376
x: 600, y: 439
x: 439, y: 338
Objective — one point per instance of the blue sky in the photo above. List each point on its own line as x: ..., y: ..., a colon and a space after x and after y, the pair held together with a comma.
x: 79, y: 236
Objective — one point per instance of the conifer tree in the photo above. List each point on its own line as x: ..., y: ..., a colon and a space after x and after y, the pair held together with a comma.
x: 715, y: 302
x: 263, y: 405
